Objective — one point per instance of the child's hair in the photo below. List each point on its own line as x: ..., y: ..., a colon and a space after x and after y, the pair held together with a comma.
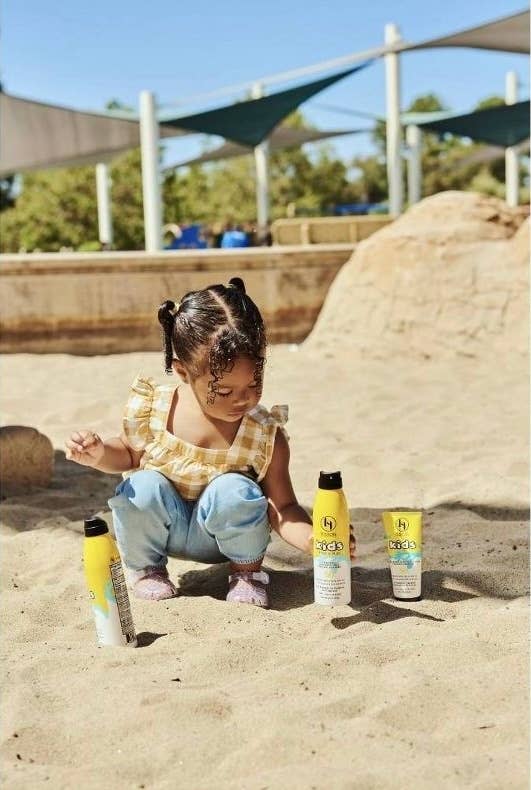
x: 211, y: 327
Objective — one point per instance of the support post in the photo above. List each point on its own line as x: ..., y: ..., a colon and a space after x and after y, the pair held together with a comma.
x: 414, y: 164
x: 511, y: 153
x: 103, y: 189
x: 261, y: 162
x: 393, y: 128
x: 149, y: 145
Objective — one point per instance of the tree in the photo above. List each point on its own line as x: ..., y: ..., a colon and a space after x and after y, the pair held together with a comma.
x: 55, y: 209
x: 226, y: 191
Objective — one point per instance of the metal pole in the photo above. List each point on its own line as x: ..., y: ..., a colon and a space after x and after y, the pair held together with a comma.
x: 393, y: 128
x: 149, y: 145
x: 103, y: 186
x: 414, y: 164
x: 511, y: 154
x: 261, y: 157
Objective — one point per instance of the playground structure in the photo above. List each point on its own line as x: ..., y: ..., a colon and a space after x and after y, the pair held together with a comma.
x: 79, y: 137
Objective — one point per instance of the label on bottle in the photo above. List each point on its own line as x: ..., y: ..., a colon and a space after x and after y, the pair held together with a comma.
x: 114, y: 622
x: 331, y: 580
x: 331, y: 550
x: 122, y: 601
x: 406, y: 576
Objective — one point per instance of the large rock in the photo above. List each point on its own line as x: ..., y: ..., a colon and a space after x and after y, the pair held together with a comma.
x: 449, y: 276
x: 26, y: 459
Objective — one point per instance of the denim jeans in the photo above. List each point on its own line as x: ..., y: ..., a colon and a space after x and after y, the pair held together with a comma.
x: 229, y: 521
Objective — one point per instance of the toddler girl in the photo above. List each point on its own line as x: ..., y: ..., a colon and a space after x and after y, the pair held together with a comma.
x: 206, y: 463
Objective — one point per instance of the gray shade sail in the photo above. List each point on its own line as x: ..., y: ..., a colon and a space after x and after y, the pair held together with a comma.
x: 488, y: 153
x: 281, y: 137
x: 34, y: 136
x: 249, y: 122
x: 505, y: 125
x: 507, y: 34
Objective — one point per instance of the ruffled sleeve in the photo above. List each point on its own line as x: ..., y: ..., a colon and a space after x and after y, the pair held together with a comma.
x: 279, y: 414
x: 137, y: 413
x: 270, y: 421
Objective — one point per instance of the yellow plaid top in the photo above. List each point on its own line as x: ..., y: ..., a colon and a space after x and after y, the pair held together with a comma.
x: 191, y: 468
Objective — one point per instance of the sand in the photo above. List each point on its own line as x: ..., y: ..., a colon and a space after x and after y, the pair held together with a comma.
x: 378, y: 694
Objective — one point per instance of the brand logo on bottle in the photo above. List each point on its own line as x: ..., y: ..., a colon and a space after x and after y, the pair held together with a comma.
x: 402, y: 544
x: 333, y: 545
x: 328, y: 523
x: 401, y: 524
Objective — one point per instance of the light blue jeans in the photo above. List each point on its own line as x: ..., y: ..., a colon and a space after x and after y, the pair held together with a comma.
x: 229, y: 521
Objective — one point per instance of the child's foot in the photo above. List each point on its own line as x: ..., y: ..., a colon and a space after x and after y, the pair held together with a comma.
x: 154, y: 585
x: 249, y: 587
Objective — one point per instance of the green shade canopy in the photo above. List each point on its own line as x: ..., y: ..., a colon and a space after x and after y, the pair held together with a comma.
x: 505, y: 125
x: 249, y: 122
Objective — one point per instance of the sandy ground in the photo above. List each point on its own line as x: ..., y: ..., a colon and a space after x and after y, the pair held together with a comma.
x: 414, y: 384
x: 379, y: 694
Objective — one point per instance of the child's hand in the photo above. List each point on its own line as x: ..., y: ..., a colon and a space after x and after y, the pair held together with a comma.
x: 85, y: 448
x: 352, y: 544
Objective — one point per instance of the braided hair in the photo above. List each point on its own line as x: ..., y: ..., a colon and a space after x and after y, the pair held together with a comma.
x: 211, y: 328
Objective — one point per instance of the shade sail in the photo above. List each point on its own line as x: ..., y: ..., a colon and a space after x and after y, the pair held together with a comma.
x: 34, y: 135
x: 507, y: 34
x: 505, y: 125
x: 488, y: 153
x: 281, y: 137
x: 249, y: 122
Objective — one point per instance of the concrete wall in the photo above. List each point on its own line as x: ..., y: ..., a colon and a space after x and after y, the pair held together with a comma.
x: 327, y: 230
x: 98, y: 303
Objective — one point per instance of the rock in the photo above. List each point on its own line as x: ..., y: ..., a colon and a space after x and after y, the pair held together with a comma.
x: 26, y: 459
x: 450, y: 276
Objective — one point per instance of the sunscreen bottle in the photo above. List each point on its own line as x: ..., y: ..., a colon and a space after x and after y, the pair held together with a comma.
x: 106, y: 585
x: 403, y: 538
x: 331, y: 538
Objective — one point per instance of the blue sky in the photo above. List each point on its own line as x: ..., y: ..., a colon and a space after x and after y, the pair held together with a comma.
x: 82, y: 54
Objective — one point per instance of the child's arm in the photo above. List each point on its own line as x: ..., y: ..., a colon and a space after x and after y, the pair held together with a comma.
x: 112, y: 455
x: 287, y: 517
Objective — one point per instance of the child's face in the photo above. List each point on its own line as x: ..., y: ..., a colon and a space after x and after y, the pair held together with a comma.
x: 230, y: 397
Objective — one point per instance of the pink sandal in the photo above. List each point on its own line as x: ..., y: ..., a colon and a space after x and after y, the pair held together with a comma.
x: 248, y: 587
x: 153, y: 584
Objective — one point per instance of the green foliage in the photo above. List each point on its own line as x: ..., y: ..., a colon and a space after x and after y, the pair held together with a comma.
x: 127, y: 206
x: 55, y: 209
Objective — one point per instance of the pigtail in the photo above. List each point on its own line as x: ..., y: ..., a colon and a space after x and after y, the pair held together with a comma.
x: 166, y: 316
x: 237, y: 283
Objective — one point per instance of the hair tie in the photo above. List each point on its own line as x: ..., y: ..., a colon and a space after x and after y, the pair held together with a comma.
x: 168, y: 310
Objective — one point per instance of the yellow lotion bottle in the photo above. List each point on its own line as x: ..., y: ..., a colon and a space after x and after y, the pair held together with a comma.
x: 331, y: 536
x: 403, y: 537
x: 106, y: 585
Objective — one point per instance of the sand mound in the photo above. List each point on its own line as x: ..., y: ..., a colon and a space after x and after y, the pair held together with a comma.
x: 450, y: 276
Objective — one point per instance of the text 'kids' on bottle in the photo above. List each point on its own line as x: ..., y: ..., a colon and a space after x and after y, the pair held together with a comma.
x: 107, y: 587
x: 331, y: 538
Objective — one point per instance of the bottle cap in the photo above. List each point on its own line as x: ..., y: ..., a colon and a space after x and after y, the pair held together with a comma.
x: 330, y: 481
x: 95, y: 526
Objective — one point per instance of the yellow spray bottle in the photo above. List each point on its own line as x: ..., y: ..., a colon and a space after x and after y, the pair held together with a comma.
x: 331, y: 536
x: 106, y: 584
